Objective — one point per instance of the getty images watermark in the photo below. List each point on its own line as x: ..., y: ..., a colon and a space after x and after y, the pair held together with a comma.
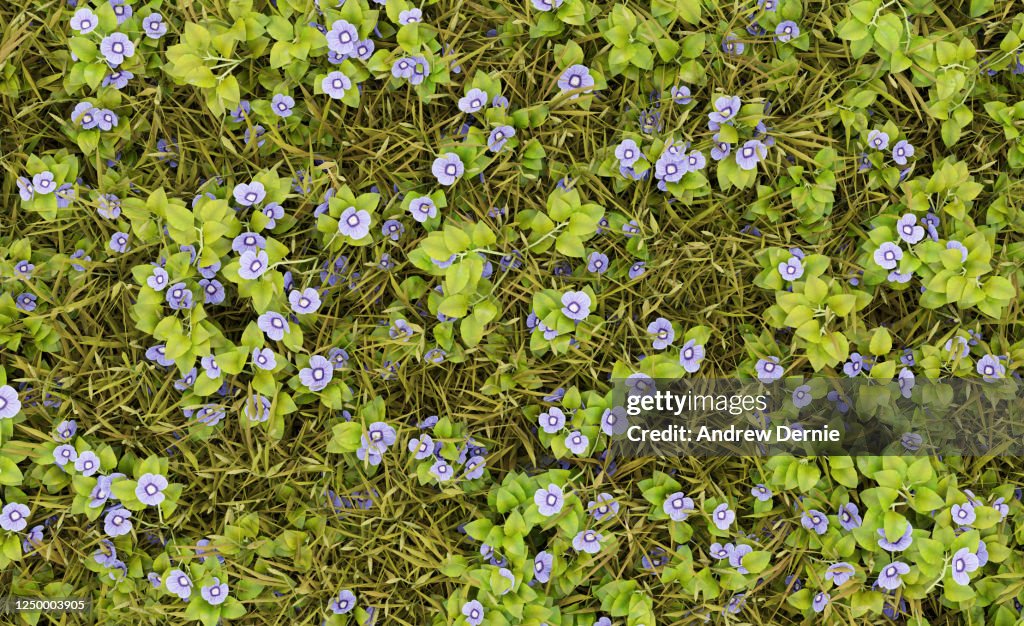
x: 816, y: 416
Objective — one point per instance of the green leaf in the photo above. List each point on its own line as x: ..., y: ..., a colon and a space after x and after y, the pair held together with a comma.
x: 756, y: 561
x: 9, y: 472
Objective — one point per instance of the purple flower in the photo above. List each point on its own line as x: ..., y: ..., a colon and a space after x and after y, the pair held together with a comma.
x: 252, y: 265
x: 26, y: 302
x: 681, y: 95
x: 210, y: 366
x: 423, y: 447
x: 423, y: 209
x: 588, y: 541
x: 216, y: 593
x: 669, y: 168
x: 273, y: 324
x: 392, y: 229
x: 577, y: 442
x: 179, y: 297
x: 736, y: 557
x: 441, y: 470
x: 318, y: 375
x: 364, y: 49
x: 343, y: 603
x: 854, y: 366
x: 839, y: 573
x: 604, y: 506
x: 354, y: 223
x: 731, y: 45
x: 637, y: 270
x: 613, y: 420
x: 248, y: 194
x: 117, y: 522
x: 677, y: 506
x: 768, y: 369
x: 305, y: 301
x: 153, y: 25
x: 14, y: 517
x: 956, y: 245
x: 963, y: 514
x: 849, y: 516
x: 379, y: 437
x: 25, y: 189
x: 542, y: 565
x: 106, y: 119
x: 62, y: 455
x: 474, y: 612
x: 122, y: 11
x: 116, y: 47
x: 695, y: 161
x: 901, y: 151
x: 908, y: 229
x: 576, y: 77
x: 342, y: 37
x: 33, y: 539
x: 750, y: 154
x: 64, y: 431
x: 820, y: 601
x: 213, y: 291
x: 964, y: 562
x: 691, y: 355
x: 802, y: 396
x: 990, y: 368
x: 150, y: 489
x: 547, y: 5
x: 889, y: 577
x: 628, y: 153
x: 723, y: 516
x: 878, y: 140
x: 474, y: 467
x: 118, y: 242
x: 549, y: 500
x: 410, y: 16
x: 888, y: 255
x: 179, y: 584
x: 663, y: 333
x: 87, y: 463
x: 101, y: 491
x: 84, y: 21
x: 814, y: 520
x: 726, y: 108
x: 274, y: 212
x: 791, y: 269
x: 496, y: 140
x: 336, y: 84
x: 447, y: 168
x: 900, y: 544
x: 761, y: 492
x: 474, y: 100
x: 282, y: 105
x: 597, y: 263
x: 576, y: 305
x: 118, y: 79
x: 552, y: 421
x: 786, y: 30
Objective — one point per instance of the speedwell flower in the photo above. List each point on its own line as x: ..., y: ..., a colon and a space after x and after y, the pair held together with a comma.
x: 549, y: 500
x: 576, y: 77
x: 447, y: 168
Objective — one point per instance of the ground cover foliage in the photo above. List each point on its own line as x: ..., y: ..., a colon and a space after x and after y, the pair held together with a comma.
x: 309, y: 311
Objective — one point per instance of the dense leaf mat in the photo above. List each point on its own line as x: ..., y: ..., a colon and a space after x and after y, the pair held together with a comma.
x: 310, y: 313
